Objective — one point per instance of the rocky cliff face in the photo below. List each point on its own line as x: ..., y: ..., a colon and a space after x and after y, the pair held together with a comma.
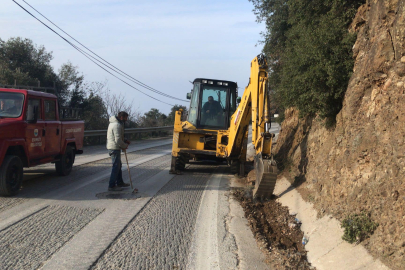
x: 359, y: 165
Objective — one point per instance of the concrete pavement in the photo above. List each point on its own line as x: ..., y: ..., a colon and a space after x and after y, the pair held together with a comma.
x: 326, y: 249
x: 222, y: 237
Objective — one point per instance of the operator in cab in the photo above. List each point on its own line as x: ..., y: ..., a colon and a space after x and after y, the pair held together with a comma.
x: 211, y: 111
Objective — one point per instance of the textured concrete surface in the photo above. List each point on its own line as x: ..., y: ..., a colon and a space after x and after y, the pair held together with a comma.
x: 78, y: 246
x: 87, y: 246
x: 6, y: 203
x: 30, y: 242
x: 159, y: 236
x: 73, y: 223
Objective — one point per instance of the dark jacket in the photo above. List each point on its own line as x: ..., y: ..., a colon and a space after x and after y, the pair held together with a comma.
x: 214, y: 107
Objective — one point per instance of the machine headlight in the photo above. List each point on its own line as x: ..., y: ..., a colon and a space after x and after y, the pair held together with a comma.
x: 219, y: 83
x: 210, y: 82
x: 225, y: 83
x: 204, y: 81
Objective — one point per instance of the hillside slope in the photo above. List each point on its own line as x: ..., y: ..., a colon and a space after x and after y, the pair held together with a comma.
x: 359, y: 165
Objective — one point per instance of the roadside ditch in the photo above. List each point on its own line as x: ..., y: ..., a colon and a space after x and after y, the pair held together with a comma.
x: 277, y: 232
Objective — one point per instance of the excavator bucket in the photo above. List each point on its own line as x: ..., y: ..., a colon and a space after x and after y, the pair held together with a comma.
x: 266, y: 176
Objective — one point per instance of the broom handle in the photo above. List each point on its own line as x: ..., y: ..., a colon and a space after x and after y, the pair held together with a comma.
x: 129, y: 172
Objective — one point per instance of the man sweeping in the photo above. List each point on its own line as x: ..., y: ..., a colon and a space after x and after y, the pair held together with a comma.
x: 116, y: 143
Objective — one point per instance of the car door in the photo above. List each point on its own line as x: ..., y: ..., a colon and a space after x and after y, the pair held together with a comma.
x: 52, y: 128
x: 34, y: 132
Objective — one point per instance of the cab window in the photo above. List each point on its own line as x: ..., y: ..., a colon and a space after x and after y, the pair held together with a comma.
x: 33, y: 102
x: 193, y: 112
x: 11, y: 104
x: 50, y: 109
x: 213, y: 106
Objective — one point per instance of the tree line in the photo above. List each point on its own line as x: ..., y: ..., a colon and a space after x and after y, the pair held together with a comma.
x: 309, y: 50
x: 24, y: 63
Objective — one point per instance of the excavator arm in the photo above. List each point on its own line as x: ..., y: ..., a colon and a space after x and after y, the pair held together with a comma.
x: 255, y: 106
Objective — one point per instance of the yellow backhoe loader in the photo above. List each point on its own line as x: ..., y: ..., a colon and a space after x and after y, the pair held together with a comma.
x: 216, y: 127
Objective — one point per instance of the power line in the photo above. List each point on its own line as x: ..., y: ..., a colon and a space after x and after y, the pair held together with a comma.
x: 87, y: 55
x: 113, y: 67
x: 84, y: 53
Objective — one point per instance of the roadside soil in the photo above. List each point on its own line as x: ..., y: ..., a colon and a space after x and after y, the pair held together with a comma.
x: 277, y: 232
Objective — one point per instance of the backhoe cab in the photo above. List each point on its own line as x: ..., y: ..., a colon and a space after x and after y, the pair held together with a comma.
x: 212, y: 103
x: 216, y: 127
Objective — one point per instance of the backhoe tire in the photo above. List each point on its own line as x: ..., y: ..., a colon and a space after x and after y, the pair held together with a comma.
x: 180, y: 163
x: 11, y: 175
x: 235, y: 167
x: 65, y: 164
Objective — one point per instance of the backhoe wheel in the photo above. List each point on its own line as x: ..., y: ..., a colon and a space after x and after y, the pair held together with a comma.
x: 235, y: 166
x: 65, y: 164
x: 180, y: 163
x: 11, y: 175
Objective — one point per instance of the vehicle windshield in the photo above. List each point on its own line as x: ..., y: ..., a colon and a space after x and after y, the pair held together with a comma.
x: 11, y: 104
x: 213, y: 112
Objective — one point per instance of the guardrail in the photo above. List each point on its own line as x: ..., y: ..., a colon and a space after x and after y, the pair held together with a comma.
x: 93, y: 133
x: 103, y: 133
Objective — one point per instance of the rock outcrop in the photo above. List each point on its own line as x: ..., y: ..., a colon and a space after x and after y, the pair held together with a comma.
x: 359, y: 165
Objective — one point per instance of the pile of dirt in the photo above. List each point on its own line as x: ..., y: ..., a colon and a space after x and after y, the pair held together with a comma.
x: 276, y: 231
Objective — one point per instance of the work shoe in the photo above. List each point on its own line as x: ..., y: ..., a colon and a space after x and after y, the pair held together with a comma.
x: 116, y: 188
x: 123, y: 185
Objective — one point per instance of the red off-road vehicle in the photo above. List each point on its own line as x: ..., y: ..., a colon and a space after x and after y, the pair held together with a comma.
x: 31, y: 133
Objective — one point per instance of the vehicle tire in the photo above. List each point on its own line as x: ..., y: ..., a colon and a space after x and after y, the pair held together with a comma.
x: 11, y: 175
x: 235, y: 166
x: 65, y: 164
x: 180, y: 163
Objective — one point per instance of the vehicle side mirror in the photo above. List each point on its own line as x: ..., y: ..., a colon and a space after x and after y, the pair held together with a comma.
x: 32, y: 114
x: 238, y: 99
x: 189, y: 95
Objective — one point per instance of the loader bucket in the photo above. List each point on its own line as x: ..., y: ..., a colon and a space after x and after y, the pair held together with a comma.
x: 266, y: 176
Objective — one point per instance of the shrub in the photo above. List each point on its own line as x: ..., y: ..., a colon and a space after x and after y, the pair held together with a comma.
x: 358, y: 227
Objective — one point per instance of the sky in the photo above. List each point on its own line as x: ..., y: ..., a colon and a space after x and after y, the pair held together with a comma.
x: 164, y: 44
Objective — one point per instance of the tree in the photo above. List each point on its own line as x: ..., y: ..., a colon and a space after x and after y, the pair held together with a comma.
x: 170, y: 118
x: 309, y: 51
x: 116, y: 103
x: 24, y: 62
x: 153, y: 118
x: 95, y: 113
x: 275, y: 15
x: 71, y: 85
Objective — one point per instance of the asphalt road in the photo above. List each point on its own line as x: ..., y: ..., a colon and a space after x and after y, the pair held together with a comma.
x: 173, y: 222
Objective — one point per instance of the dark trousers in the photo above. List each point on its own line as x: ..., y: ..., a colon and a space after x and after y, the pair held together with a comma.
x: 116, y: 172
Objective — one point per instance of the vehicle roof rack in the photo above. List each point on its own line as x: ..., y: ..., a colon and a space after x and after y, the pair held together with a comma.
x: 51, y: 90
